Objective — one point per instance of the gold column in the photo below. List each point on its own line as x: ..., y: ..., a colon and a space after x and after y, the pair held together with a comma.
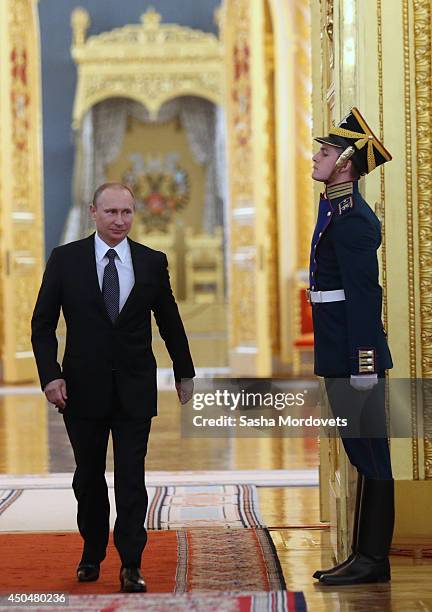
x: 301, y: 142
x: 267, y: 53
x: 240, y: 158
x: 20, y: 185
x: 253, y: 278
x: 271, y: 203
x: 292, y: 142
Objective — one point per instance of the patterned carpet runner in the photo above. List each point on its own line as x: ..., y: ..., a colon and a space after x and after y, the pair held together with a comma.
x: 281, y: 601
x: 170, y: 507
x: 204, y: 506
x: 208, y: 550
x: 200, y: 559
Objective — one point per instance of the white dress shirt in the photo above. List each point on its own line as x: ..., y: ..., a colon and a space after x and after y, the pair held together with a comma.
x: 123, y: 263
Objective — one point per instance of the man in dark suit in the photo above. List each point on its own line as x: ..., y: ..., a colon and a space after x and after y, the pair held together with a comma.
x: 351, y: 350
x: 107, y: 285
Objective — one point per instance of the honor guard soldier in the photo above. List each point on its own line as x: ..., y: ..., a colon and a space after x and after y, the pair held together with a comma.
x: 351, y: 350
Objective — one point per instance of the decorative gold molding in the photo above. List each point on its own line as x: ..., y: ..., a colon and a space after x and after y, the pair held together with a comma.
x: 423, y: 67
x: 80, y: 22
x: 22, y: 260
x: 423, y: 82
x: 150, y: 62
x: 381, y: 207
x: 410, y: 234
x: 240, y: 155
x: 271, y: 204
x: 409, y: 188
x: 328, y: 28
x: 327, y: 62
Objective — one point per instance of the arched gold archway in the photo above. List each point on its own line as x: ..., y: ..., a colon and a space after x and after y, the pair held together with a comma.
x: 150, y: 62
x: 153, y: 63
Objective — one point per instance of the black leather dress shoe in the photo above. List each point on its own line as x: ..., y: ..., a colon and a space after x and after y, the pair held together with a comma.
x: 88, y: 572
x: 131, y: 580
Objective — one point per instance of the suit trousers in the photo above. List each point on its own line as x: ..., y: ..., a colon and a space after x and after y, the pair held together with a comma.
x: 89, y: 440
x: 365, y: 437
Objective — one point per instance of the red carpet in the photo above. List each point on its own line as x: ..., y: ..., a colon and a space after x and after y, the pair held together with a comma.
x: 47, y: 562
x: 217, y: 559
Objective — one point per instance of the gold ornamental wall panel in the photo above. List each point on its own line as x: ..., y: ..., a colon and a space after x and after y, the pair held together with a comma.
x: 381, y: 62
x: 242, y: 248
x: 20, y: 185
x: 248, y: 38
x: 423, y: 94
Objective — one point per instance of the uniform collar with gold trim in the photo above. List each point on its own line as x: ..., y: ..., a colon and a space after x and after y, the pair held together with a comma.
x: 341, y: 190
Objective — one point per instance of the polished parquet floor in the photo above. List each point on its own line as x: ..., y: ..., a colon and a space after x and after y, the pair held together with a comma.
x: 33, y: 441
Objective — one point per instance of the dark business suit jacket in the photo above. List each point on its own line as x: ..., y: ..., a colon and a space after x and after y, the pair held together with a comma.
x: 349, y: 335
x: 98, y: 350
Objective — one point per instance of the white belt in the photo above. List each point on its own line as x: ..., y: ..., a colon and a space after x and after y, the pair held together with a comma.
x: 314, y: 297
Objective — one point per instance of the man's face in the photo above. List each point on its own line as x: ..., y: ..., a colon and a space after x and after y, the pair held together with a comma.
x: 324, y: 162
x: 113, y: 215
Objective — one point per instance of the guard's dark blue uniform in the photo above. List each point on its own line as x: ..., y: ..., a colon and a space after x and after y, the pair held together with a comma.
x: 350, y: 342
x: 349, y: 335
x: 344, y: 256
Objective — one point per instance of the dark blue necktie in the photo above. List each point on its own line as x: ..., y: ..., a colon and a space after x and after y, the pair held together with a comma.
x: 111, y: 286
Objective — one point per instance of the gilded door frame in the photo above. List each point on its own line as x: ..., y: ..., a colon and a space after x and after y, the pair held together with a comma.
x: 21, y: 185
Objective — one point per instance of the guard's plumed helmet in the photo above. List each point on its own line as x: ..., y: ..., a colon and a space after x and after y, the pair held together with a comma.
x: 358, y: 142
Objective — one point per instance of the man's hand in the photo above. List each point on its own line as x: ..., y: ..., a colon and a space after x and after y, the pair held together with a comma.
x: 55, y: 392
x: 364, y: 382
x: 185, y: 389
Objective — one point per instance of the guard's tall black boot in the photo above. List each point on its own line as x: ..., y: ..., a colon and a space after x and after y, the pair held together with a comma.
x: 319, y: 573
x: 375, y: 530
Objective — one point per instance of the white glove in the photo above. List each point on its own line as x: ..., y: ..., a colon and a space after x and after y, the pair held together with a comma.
x: 363, y: 382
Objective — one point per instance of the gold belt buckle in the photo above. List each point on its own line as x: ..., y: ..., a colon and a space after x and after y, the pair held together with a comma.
x: 308, y: 296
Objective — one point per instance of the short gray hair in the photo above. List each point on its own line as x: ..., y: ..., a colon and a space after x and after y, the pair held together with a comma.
x: 99, y: 191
